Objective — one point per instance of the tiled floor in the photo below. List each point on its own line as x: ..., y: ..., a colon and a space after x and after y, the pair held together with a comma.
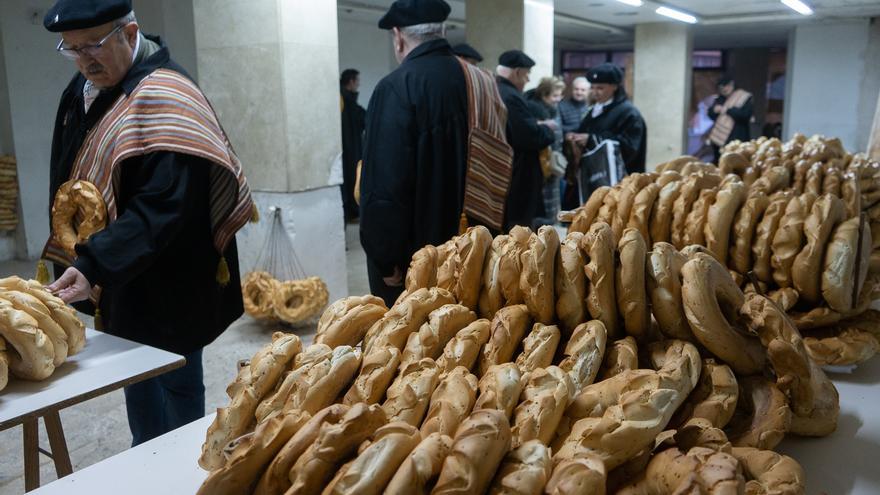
x: 98, y: 428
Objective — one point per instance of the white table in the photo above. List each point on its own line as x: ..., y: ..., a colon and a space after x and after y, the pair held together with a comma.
x: 106, y: 363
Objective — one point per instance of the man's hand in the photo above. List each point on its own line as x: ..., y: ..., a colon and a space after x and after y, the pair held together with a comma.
x: 717, y: 109
x: 395, y: 280
x: 71, y: 287
x: 580, y: 139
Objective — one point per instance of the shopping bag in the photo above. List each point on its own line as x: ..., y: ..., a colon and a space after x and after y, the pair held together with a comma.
x: 600, y: 166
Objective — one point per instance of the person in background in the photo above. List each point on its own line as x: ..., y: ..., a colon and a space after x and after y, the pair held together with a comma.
x: 732, y: 113
x: 353, y: 122
x: 527, y: 135
x: 573, y: 109
x: 166, y: 262
x: 415, y: 147
x: 613, y: 116
x: 544, y: 101
x: 468, y: 53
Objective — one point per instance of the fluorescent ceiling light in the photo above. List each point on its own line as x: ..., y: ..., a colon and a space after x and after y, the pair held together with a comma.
x: 798, y: 6
x: 677, y: 15
x: 634, y: 3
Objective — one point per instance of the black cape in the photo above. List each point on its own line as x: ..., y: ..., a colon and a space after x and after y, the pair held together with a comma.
x: 742, y: 118
x: 353, y: 121
x: 525, y: 200
x: 156, y: 262
x: 623, y: 122
x: 415, y: 157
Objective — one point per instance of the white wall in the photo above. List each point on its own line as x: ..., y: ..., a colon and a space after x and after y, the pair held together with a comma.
x: 173, y: 21
x: 827, y: 75
x: 365, y: 47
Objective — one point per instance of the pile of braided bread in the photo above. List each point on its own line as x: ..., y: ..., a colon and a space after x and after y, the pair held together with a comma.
x: 290, y: 301
x: 799, y: 221
x: 37, y: 331
x: 526, y: 364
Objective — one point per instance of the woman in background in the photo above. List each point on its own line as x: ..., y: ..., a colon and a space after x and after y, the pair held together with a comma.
x: 544, y: 103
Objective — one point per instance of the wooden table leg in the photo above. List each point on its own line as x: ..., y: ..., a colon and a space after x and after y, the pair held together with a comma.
x: 31, y: 436
x: 58, y: 444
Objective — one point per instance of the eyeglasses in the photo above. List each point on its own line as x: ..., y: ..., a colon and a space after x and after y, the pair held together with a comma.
x: 89, y: 50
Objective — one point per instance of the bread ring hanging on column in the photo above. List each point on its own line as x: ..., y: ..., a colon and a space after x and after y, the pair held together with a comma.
x: 764, y: 233
x: 470, y: 252
x: 510, y: 265
x: 838, y: 274
x: 587, y: 213
x: 77, y: 201
x: 500, y: 388
x: 478, y: 448
x: 696, y: 220
x: 258, y: 292
x: 599, y: 246
x: 851, y: 193
x: 664, y: 287
x: 609, y: 205
x: 299, y: 300
x: 421, y: 466
x: 630, y: 287
x: 442, y: 325
x: 661, y: 216
x: 508, y: 329
x: 789, y: 238
x: 774, y: 179
x: 571, y: 284
x: 799, y: 179
x: 491, y: 298
x: 667, y: 177
x: 815, y: 175
x: 378, y: 369
x: 524, y: 470
x: 690, y: 192
x: 732, y: 163
x: 464, y: 348
x: 744, y: 224
x: 451, y: 402
x: 625, y: 201
x: 720, y: 218
x: 806, y: 271
x: 640, y: 215
x: 537, y: 278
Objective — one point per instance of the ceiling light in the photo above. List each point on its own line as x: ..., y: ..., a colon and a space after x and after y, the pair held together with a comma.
x: 798, y: 6
x: 634, y: 3
x: 677, y: 15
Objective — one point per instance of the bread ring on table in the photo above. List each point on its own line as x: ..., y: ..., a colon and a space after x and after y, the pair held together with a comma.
x: 815, y: 176
x: 750, y: 176
x: 308, y: 367
x: 785, y: 349
x: 571, y: 284
x: 690, y: 192
x: 630, y: 286
x: 77, y: 201
x: 764, y: 234
x: 524, y: 470
x: 405, y: 317
x: 676, y: 164
x: 762, y: 416
x: 491, y: 297
x: 378, y: 369
x: 743, y: 230
x: 258, y: 292
x: 732, y: 163
x: 769, y: 472
x: 714, y: 398
x: 667, y: 177
x: 61, y: 313
x: 868, y: 321
x: 335, y: 443
x: 470, y: 252
x: 660, y: 225
x: 832, y: 182
x: 663, y: 277
x: 539, y: 348
x: 799, y: 176
x: 720, y: 218
x: 377, y: 461
x: 442, y: 325
x: 4, y: 364
x: 328, y: 379
x: 696, y: 166
x: 23, y: 301
x: 299, y: 300
x: 838, y: 274
x: 626, y: 200
x: 451, y: 402
x: 851, y: 193
x: 500, y: 388
x: 841, y: 347
x: 598, y: 245
x: 788, y: 241
x: 346, y: 321
x: 478, y: 448
x: 31, y: 353
x: 581, y: 474
x: 773, y: 179
x: 623, y: 355
x: 816, y: 318
x: 699, y: 470
x: 609, y: 206
x: 822, y: 420
x: 510, y: 266
x: 464, y: 348
x: 589, y: 211
x: 446, y: 265
x: 694, y: 231
x: 422, y: 271
x: 253, y: 382
x: 508, y: 329
x: 711, y: 300
x: 640, y: 215
x: 409, y: 395
x: 863, y: 261
x: 421, y: 466
x: 583, y: 354
x: 543, y: 402
x: 806, y: 271
x: 537, y: 278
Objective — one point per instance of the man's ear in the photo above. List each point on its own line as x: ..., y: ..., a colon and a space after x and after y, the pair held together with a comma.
x: 131, y: 31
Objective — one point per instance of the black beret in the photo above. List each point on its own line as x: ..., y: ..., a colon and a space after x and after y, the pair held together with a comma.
x: 605, y: 74
x: 515, y: 59
x: 413, y: 12
x: 467, y: 51
x: 725, y: 80
x: 67, y: 15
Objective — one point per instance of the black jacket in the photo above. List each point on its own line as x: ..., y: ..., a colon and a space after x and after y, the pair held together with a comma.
x: 156, y: 262
x: 622, y: 122
x: 353, y: 121
x: 415, y: 157
x: 742, y: 118
x: 525, y: 201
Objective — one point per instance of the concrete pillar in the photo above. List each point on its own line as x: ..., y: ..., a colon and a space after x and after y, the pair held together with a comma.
x: 662, y: 85
x: 833, y: 79
x: 270, y: 69
x: 874, y: 141
x: 495, y: 26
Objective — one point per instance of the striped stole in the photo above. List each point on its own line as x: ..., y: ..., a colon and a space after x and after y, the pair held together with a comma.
x: 724, y: 123
x: 489, y: 157
x: 165, y: 112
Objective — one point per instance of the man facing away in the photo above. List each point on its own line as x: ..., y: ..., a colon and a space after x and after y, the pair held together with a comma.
x: 164, y: 270
x: 353, y: 119
x: 415, y: 147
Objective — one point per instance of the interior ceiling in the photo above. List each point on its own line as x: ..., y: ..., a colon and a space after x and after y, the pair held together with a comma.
x: 610, y: 24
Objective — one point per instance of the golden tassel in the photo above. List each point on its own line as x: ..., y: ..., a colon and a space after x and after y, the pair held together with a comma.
x: 42, y: 272
x: 223, y: 272
x: 255, y: 213
x: 462, y: 224
x: 99, y: 320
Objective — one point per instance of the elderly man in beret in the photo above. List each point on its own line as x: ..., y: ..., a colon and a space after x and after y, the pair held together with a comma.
x: 613, y: 116
x: 528, y: 136
x: 415, y: 147
x: 164, y: 269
